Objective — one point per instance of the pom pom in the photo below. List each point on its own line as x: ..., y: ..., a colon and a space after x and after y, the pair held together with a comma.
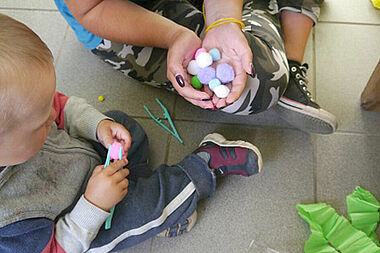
x: 225, y: 73
x: 221, y: 91
x: 200, y: 50
x: 213, y: 83
x: 215, y: 54
x: 115, y: 151
x: 193, y: 68
x: 204, y: 59
x: 205, y: 75
x: 196, y: 83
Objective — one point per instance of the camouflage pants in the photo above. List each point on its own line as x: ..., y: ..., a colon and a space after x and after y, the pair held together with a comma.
x: 264, y: 35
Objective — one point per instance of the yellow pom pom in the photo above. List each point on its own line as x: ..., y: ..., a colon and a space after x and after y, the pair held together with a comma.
x: 101, y: 98
x: 376, y: 3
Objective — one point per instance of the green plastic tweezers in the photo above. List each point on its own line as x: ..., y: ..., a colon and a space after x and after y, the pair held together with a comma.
x: 166, y: 115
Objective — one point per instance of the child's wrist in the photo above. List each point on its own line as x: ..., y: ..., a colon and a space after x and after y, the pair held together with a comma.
x: 177, y: 34
x: 98, y: 206
x: 212, y: 14
x: 222, y: 27
x: 98, y: 128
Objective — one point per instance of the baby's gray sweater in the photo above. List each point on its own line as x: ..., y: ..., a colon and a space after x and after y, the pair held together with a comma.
x: 52, y: 182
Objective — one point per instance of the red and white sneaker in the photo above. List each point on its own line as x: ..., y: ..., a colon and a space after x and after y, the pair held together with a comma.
x: 230, y: 157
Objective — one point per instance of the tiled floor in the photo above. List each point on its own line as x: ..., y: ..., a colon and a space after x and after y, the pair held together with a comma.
x: 298, y: 168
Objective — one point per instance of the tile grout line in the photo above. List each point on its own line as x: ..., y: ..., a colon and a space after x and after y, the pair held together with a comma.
x: 314, y: 65
x: 267, y: 127
x: 61, y: 47
x: 343, y: 132
x: 347, y: 23
x: 168, y: 136
x: 313, y: 137
x: 314, y: 157
x: 151, y: 245
x: 27, y: 9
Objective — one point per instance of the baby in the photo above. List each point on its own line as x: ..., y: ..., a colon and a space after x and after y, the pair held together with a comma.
x: 54, y: 193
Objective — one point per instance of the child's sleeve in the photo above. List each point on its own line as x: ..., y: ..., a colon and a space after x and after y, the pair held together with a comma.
x: 76, y: 116
x: 72, y: 233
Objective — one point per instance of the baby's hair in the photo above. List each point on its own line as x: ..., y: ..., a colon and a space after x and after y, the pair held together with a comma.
x: 22, y: 54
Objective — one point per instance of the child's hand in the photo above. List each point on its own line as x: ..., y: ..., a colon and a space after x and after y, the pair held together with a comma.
x: 107, y: 186
x: 109, y: 131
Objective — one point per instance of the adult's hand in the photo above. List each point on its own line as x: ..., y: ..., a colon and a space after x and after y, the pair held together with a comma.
x: 181, y: 51
x: 234, y: 48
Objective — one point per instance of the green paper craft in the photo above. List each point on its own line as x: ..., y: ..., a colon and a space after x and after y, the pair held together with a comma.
x: 333, y: 233
x: 363, y: 212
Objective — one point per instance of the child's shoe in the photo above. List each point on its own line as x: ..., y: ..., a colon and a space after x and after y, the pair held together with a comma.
x: 297, y: 107
x: 230, y: 157
x: 179, y: 229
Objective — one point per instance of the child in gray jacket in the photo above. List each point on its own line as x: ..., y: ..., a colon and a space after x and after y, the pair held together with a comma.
x: 54, y: 193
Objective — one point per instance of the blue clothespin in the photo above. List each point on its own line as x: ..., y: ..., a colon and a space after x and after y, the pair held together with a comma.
x: 108, y: 159
x: 166, y: 114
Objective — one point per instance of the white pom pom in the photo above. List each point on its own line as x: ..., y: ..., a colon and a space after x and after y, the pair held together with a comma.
x: 193, y: 68
x: 221, y: 91
x: 204, y: 60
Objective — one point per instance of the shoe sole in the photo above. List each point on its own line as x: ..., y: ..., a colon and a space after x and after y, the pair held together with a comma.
x: 305, y: 117
x: 219, y: 139
x: 192, y: 219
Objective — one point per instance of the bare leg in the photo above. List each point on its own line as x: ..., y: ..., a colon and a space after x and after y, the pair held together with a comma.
x: 296, y: 104
x: 296, y: 28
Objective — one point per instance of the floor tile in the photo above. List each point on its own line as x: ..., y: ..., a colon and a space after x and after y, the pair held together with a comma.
x: 245, y: 208
x: 144, y: 247
x: 50, y: 26
x: 32, y: 4
x: 343, y: 162
x: 158, y: 140
x: 346, y: 55
x: 81, y: 73
x: 351, y: 11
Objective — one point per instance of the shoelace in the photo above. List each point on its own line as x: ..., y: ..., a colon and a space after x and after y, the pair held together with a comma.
x: 302, y: 79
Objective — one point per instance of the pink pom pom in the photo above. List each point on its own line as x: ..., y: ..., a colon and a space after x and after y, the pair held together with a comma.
x: 200, y: 50
x: 115, y: 151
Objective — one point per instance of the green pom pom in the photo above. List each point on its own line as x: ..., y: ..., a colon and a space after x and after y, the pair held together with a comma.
x: 196, y: 83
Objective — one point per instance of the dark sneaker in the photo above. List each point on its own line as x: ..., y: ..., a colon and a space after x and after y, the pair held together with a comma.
x: 298, y: 108
x: 230, y: 157
x: 180, y: 228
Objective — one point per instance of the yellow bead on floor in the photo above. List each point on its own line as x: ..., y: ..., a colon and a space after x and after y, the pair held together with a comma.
x: 376, y: 3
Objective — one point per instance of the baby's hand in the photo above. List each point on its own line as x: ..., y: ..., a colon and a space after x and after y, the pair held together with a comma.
x: 109, y: 131
x: 108, y: 186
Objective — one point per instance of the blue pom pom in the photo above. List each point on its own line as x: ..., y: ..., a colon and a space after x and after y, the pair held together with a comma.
x: 213, y: 83
x: 215, y: 54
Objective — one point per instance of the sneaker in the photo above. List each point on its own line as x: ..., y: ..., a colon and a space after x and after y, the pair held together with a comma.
x: 298, y: 108
x: 230, y: 157
x: 180, y: 228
